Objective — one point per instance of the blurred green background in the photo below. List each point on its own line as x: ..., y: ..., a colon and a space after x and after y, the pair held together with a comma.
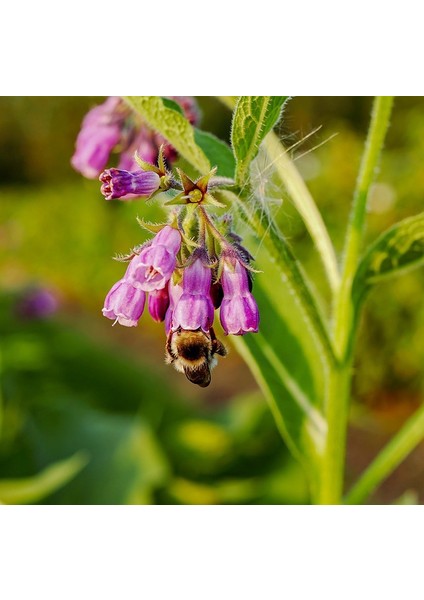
x: 99, y: 403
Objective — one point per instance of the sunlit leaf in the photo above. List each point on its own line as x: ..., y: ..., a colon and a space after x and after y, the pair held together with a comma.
x: 253, y: 118
x: 173, y: 126
x: 291, y: 364
x: 290, y: 376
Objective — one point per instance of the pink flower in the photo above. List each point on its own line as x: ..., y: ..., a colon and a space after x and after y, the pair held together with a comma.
x: 175, y: 292
x: 124, y: 303
x: 194, y: 310
x: 239, y: 312
x: 152, y: 268
x: 100, y: 133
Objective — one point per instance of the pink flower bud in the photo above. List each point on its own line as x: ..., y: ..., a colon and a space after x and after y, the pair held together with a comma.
x: 158, y: 304
x: 117, y: 183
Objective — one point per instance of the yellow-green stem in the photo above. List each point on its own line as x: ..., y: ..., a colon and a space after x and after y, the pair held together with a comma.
x: 343, y: 311
x: 338, y: 391
x: 332, y: 471
x: 389, y: 458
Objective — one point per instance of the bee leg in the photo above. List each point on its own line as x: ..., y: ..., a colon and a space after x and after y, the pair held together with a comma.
x: 217, y: 346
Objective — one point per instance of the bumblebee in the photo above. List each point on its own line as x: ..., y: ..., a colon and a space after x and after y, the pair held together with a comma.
x: 193, y: 353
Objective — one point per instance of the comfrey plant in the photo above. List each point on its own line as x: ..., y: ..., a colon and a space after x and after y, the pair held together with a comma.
x: 302, y: 354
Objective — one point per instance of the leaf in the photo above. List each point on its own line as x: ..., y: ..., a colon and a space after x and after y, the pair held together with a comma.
x: 288, y: 360
x: 397, y: 250
x: 169, y: 103
x: 173, y: 126
x: 288, y: 369
x: 126, y: 460
x: 217, y: 151
x: 228, y: 101
x: 266, y: 230
x: 50, y: 479
x: 254, y: 117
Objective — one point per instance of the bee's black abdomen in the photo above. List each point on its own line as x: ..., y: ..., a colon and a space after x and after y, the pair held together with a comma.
x: 200, y: 376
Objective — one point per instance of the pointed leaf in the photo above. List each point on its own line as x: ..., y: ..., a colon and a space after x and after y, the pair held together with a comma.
x: 399, y: 249
x: 173, y: 126
x: 152, y: 227
x: 288, y: 368
x: 217, y: 151
x: 254, y: 117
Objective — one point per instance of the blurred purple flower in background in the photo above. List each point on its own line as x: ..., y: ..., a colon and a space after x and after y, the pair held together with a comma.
x: 36, y: 303
x: 101, y: 131
x: 114, y: 127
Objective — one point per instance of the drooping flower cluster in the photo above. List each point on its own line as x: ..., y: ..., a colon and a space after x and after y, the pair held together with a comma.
x: 194, y: 265
x: 114, y: 127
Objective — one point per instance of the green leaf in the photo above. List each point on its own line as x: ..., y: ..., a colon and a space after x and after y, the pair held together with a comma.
x: 228, y: 101
x: 266, y: 230
x: 217, y: 151
x: 288, y: 369
x: 123, y: 449
x: 52, y: 478
x: 254, y: 117
x: 287, y: 356
x: 399, y: 249
x: 172, y: 104
x: 173, y: 126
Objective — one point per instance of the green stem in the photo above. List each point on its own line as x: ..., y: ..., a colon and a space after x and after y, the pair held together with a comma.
x: 305, y: 205
x: 332, y: 469
x: 411, y: 434
x: 343, y: 313
x: 338, y: 392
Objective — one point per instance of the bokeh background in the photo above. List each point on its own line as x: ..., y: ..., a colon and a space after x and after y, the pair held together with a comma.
x: 99, y: 404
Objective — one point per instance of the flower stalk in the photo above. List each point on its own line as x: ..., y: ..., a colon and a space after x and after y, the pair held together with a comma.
x: 338, y: 392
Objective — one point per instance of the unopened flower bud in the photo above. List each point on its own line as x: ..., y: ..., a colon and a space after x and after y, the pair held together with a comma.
x: 158, y: 303
x: 117, y: 183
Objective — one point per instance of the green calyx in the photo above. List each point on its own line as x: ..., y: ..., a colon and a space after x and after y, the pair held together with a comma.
x: 195, y: 192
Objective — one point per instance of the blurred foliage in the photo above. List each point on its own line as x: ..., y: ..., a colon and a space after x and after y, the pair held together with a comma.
x: 72, y: 383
